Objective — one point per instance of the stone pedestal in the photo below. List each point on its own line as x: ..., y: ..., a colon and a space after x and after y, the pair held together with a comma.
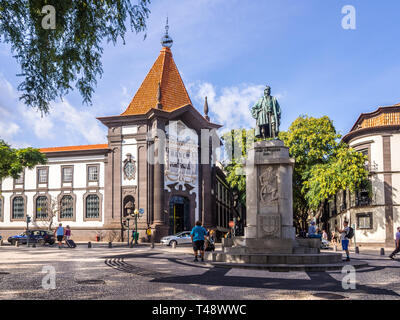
x: 269, y: 199
x: 269, y: 242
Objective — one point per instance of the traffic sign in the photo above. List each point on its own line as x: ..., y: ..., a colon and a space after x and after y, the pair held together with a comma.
x: 141, y: 210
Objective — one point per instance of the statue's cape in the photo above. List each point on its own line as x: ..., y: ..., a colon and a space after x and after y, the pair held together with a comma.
x: 262, y: 117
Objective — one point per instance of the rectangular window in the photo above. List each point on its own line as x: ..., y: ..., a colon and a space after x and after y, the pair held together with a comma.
x: 67, y: 174
x: 20, y: 179
x: 1, y: 207
x: 93, y: 174
x: 42, y: 173
x: 364, y: 221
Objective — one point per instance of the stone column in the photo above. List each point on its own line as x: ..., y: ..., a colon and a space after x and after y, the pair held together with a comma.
x: 160, y: 225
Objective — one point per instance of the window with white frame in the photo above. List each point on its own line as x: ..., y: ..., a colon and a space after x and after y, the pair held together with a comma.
x: 42, y: 173
x: 364, y: 220
x: 93, y: 173
x: 67, y: 174
x: 18, y: 208
x: 92, y: 206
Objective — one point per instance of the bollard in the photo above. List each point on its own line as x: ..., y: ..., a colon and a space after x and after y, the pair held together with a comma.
x: 152, y: 245
x: 174, y: 245
x: 89, y: 244
x: 357, y: 250
x: 335, y: 248
x: 1, y: 242
x: 34, y: 245
x: 382, y: 251
x: 110, y: 244
x: 17, y: 243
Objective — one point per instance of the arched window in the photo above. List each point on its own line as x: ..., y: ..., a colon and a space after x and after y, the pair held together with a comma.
x: 41, y: 207
x: 18, y: 208
x: 92, y: 206
x: 67, y: 207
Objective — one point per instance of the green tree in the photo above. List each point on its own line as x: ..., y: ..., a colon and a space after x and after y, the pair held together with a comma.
x: 13, y: 161
x: 53, y: 60
x: 324, y: 165
x: 236, y: 143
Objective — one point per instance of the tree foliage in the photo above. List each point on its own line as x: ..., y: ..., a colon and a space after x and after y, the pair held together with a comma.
x: 13, y: 161
x: 236, y: 144
x: 323, y: 167
x: 53, y: 60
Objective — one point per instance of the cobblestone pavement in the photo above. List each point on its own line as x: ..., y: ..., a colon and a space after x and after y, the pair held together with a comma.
x: 165, y: 273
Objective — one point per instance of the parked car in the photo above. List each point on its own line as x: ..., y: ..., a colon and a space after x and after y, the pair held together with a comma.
x: 179, y: 238
x: 35, y: 236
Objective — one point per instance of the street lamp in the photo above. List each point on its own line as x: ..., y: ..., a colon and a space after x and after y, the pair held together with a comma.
x: 136, y: 213
x: 28, y: 220
x: 129, y: 208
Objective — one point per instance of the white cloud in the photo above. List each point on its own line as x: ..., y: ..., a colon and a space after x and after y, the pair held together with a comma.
x: 230, y: 107
x: 65, y: 125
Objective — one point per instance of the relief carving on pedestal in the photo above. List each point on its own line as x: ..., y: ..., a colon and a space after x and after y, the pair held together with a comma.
x: 270, y: 226
x: 268, y: 185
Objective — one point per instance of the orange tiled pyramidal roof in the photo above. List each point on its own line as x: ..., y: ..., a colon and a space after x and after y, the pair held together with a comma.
x: 75, y: 148
x: 165, y: 74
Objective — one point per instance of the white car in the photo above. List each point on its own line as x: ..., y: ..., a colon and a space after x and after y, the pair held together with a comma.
x: 179, y: 238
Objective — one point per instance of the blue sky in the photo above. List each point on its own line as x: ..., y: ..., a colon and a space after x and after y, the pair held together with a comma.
x: 229, y: 50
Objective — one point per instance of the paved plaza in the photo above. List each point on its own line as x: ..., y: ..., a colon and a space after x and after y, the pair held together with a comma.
x: 165, y: 273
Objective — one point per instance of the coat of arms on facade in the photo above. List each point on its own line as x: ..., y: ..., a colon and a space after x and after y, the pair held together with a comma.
x: 268, y: 185
x: 270, y: 225
x: 129, y: 167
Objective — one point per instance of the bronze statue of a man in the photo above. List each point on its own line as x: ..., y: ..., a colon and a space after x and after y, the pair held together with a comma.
x: 267, y: 112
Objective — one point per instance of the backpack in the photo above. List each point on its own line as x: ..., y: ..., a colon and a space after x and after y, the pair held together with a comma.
x: 350, y: 234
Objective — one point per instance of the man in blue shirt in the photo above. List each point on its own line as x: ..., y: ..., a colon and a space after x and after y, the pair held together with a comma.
x: 198, y: 235
x: 60, y: 235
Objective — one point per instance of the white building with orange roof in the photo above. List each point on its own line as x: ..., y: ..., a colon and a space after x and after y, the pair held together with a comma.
x: 93, y: 188
x: 374, y: 213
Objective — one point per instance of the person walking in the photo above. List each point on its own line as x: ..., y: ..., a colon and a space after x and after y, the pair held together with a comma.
x: 397, y: 250
x: 59, y: 235
x: 67, y: 233
x: 133, y: 237
x: 148, y: 232
x: 198, y: 235
x: 344, y: 239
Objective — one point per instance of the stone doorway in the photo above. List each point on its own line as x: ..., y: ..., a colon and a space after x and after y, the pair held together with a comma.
x: 179, y: 215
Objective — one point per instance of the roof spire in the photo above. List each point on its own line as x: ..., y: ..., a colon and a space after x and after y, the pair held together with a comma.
x: 206, y: 110
x: 166, y: 40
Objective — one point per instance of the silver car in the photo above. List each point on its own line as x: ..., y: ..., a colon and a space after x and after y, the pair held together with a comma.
x: 179, y: 238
